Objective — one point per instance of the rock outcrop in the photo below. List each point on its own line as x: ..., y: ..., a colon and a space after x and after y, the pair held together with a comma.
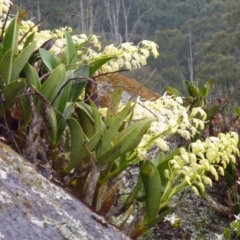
x: 31, y: 207
x: 131, y: 88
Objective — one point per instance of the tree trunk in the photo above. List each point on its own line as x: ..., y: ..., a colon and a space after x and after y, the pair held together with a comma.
x: 190, y: 57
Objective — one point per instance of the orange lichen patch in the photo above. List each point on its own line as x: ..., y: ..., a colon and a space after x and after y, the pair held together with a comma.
x: 129, y: 85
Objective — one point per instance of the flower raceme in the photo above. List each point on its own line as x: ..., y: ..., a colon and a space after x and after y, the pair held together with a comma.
x: 171, y: 118
x: 125, y: 55
x: 210, y: 156
x: 4, y: 6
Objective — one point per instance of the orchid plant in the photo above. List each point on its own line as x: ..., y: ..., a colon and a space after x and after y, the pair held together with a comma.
x: 43, y: 73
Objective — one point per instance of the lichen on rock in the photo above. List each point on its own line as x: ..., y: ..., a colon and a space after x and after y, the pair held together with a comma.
x: 34, y: 208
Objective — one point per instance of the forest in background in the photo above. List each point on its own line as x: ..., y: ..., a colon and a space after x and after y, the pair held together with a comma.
x: 198, y: 39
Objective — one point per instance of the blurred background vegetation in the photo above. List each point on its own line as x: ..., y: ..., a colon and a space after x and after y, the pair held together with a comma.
x: 198, y: 39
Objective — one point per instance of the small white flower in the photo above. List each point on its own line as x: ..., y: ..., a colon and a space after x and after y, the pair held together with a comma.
x: 219, y: 236
x: 237, y: 217
x: 171, y: 218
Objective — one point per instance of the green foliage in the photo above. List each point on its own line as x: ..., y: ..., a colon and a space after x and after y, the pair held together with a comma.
x: 89, y: 152
x: 196, y: 96
x: 105, y: 146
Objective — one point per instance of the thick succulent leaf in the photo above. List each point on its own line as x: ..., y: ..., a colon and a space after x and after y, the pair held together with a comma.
x: 21, y: 60
x: 193, y: 91
x: 152, y: 185
x: 11, y: 36
x: 86, y: 109
x: 62, y: 122
x: 128, y: 141
x: 205, y: 89
x: 32, y: 76
x: 173, y: 91
x: 11, y: 92
x: 26, y: 110
x: 29, y: 39
x: 96, y: 64
x: 85, y: 116
x: 76, y: 138
x: 71, y: 50
x: 84, y: 151
x: 63, y: 97
x: 78, y: 85
x: 64, y: 93
x: 6, y: 68
x: 48, y: 59
x: 98, y: 122
x: 114, y: 127
x: 166, y: 210
x: 53, y: 83
x: 141, y: 125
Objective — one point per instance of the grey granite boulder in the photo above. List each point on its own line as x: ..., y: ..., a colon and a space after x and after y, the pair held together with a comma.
x: 31, y: 207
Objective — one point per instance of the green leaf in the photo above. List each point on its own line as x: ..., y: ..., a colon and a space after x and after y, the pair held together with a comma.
x: 6, y: 68
x: 62, y: 122
x: 21, y: 60
x: 98, y: 123
x: 11, y: 36
x: 84, y: 113
x: 84, y: 151
x: 113, y: 129
x: 26, y: 110
x: 97, y: 63
x: 173, y: 91
x: 165, y: 211
x: 205, y: 89
x: 63, y: 96
x: 48, y: 59
x: 126, y: 141
x: 11, y: 92
x: 141, y: 125
x: 76, y: 138
x: 152, y: 185
x: 71, y: 50
x: 193, y: 91
x: 53, y: 83
x: 29, y: 39
x: 227, y: 233
x: 78, y: 85
x: 32, y: 76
